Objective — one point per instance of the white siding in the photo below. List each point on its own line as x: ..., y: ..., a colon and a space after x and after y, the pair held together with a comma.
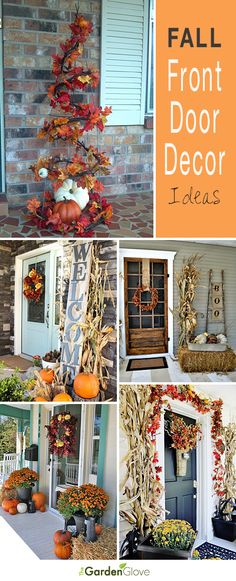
x: 124, y: 59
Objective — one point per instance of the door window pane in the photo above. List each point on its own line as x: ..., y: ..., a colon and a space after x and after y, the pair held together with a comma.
x: 58, y: 288
x: 95, y: 443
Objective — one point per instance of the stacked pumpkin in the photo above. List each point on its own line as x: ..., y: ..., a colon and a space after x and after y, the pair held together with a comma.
x: 47, y: 375
x: 62, y: 544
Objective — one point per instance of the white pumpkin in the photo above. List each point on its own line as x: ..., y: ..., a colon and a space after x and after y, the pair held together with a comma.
x: 43, y: 172
x: 70, y: 191
x: 22, y: 507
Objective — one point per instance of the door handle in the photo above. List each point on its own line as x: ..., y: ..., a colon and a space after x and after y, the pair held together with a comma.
x: 47, y: 316
x: 194, y: 496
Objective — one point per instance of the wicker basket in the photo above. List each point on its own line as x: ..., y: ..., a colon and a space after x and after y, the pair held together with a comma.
x: 181, y: 463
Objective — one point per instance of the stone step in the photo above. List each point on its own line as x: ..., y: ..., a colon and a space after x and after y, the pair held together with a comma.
x: 3, y: 205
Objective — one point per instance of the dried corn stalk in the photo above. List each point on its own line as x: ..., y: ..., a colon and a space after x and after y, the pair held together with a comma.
x: 96, y: 335
x: 45, y: 390
x: 230, y: 451
x: 187, y: 281
x: 142, y: 492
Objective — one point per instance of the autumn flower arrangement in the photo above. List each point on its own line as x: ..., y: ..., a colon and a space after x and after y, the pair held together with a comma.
x: 184, y: 436
x: 25, y: 477
x: 174, y: 534
x: 75, y: 205
x: 88, y: 499
x: 61, y: 434
x: 33, y: 286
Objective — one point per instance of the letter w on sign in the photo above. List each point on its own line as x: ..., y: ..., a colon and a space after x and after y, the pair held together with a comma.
x: 76, y: 308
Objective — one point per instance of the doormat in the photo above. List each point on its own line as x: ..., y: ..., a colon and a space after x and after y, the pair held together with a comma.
x: 209, y: 551
x: 13, y: 361
x: 145, y: 364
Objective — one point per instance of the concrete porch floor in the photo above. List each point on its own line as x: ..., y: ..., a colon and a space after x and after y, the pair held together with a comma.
x: 36, y: 530
x: 132, y: 218
x: 171, y: 374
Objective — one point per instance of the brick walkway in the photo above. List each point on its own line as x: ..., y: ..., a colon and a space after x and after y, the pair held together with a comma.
x: 132, y: 218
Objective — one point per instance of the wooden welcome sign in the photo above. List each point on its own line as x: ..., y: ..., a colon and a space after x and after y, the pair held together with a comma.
x: 76, y: 308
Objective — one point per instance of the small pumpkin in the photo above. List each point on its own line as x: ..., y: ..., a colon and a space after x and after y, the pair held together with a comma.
x: 62, y: 397
x: 8, y: 503
x: 39, y: 499
x: 62, y: 551
x: 86, y: 385
x: 47, y: 375
x: 62, y: 537
x: 42, y: 508
x: 68, y: 210
x: 12, y: 510
x: 98, y: 528
x: 39, y: 398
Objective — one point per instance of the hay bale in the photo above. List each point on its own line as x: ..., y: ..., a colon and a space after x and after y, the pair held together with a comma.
x: 105, y: 548
x: 206, y: 361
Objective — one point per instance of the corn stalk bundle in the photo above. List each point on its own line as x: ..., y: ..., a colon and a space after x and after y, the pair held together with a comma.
x: 142, y: 492
x: 230, y: 451
x: 187, y: 281
x: 96, y: 335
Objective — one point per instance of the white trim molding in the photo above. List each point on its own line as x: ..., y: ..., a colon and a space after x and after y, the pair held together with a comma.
x: 155, y: 254
x: 204, y: 467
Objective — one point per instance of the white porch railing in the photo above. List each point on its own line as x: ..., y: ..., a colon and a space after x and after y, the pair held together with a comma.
x: 72, y: 473
x: 9, y: 463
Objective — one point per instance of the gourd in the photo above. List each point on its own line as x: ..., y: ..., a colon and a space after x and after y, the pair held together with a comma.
x: 86, y: 385
x: 39, y: 398
x: 68, y: 210
x: 62, y: 551
x: 47, y: 375
x: 62, y: 537
x: 42, y: 508
x: 8, y: 503
x: 39, y: 499
x: 62, y: 397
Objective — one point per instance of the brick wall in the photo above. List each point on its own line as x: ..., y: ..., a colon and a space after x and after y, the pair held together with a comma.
x: 33, y: 30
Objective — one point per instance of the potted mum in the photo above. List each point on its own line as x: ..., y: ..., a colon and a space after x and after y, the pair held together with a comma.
x: 51, y: 359
x: 23, y: 480
x: 85, y: 504
x: 171, y: 539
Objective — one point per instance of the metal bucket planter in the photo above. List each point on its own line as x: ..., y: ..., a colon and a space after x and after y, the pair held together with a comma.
x: 79, y: 522
x: 148, y: 551
x: 24, y: 493
x: 181, y: 462
x: 90, y: 536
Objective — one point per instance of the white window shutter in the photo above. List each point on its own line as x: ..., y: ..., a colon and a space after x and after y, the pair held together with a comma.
x: 124, y: 37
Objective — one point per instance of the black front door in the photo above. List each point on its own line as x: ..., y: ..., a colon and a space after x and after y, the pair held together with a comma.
x: 180, y: 493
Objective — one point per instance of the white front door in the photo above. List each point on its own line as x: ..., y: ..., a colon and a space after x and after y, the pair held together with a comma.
x: 38, y: 328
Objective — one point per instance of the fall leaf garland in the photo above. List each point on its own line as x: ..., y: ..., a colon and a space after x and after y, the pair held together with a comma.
x: 75, y: 120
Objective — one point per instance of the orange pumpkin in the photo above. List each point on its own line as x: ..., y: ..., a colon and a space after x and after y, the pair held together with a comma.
x: 62, y: 551
x: 98, y: 528
x: 62, y: 397
x: 68, y: 210
x: 39, y: 499
x: 62, y: 537
x: 42, y: 508
x: 40, y: 399
x: 12, y: 510
x: 86, y: 385
x: 47, y: 375
x: 8, y: 503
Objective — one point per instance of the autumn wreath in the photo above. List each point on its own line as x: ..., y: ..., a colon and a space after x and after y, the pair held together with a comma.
x: 61, y: 434
x: 137, y: 298
x: 33, y: 286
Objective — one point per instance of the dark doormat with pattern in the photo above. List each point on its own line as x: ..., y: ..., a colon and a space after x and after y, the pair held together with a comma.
x: 209, y: 551
x: 145, y: 364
